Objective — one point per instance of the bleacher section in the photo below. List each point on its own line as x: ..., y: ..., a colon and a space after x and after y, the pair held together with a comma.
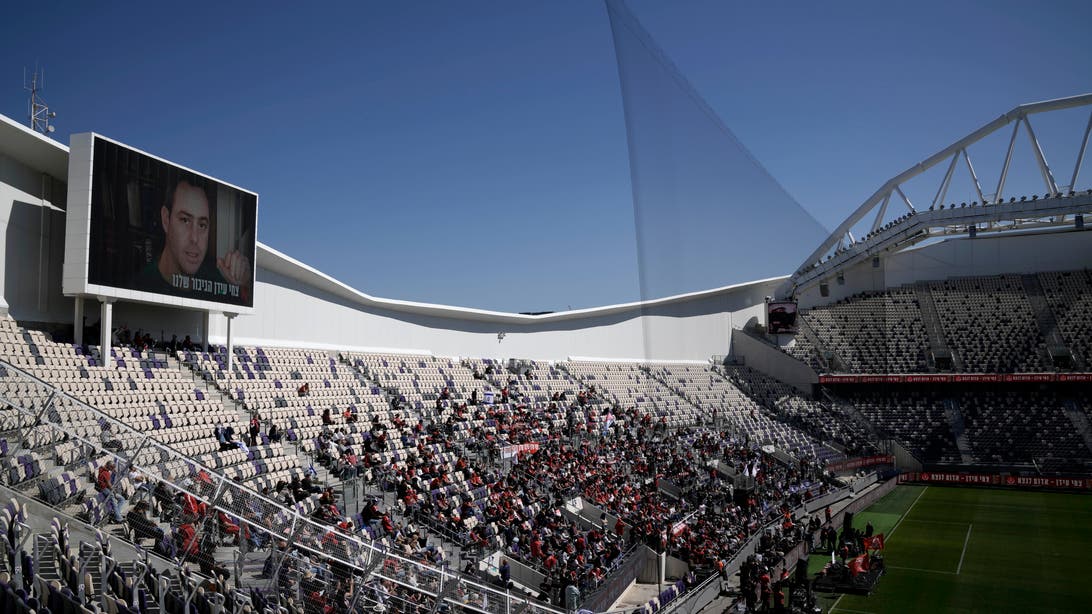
x: 1011, y: 429
x: 534, y: 383
x: 627, y: 385
x: 812, y: 417
x: 988, y: 322
x: 709, y: 388
x: 877, y: 333
x: 422, y: 423
x: 138, y: 388
x: 294, y: 389
x: 916, y: 418
x: 802, y: 349
x: 1069, y: 296
x: 451, y: 457
x: 192, y: 510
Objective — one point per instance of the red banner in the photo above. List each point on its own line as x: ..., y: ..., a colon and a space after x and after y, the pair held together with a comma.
x: 1021, y: 481
x: 958, y: 378
x: 859, y: 564
x: 873, y: 543
x: 515, y: 450
x: 864, y: 461
x: 932, y: 378
x: 1031, y: 377
x: 879, y: 379
x: 837, y: 379
x: 976, y: 377
x: 994, y: 480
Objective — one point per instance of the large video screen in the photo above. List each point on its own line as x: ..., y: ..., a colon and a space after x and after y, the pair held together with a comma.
x: 161, y: 229
x: 781, y: 317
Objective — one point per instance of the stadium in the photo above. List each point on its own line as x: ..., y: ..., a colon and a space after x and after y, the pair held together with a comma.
x: 897, y: 420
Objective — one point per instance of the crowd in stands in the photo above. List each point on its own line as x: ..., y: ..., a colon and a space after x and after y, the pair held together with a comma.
x: 622, y: 473
x: 421, y: 446
x: 485, y: 456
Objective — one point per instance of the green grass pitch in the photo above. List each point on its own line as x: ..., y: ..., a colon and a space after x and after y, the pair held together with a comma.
x: 977, y: 550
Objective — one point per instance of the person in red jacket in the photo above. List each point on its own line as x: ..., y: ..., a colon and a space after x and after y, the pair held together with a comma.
x: 104, y: 483
x: 193, y: 508
x: 186, y: 536
x: 228, y: 527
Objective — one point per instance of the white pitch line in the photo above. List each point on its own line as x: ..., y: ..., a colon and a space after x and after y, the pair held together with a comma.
x: 966, y: 540
x: 936, y: 521
x: 947, y: 573
x: 854, y: 611
x: 907, y: 512
x: 835, y: 605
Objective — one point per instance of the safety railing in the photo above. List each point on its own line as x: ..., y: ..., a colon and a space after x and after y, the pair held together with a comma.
x: 211, y: 504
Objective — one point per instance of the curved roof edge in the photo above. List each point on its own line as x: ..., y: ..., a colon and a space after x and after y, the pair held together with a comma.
x: 45, y: 154
x: 283, y: 264
x: 35, y: 150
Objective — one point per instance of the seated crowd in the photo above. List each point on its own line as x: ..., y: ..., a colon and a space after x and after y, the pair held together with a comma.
x: 438, y: 442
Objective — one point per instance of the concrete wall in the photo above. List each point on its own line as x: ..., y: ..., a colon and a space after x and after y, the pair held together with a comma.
x: 773, y: 362
x: 299, y: 306
x: 962, y: 257
x: 292, y: 312
x: 32, y: 243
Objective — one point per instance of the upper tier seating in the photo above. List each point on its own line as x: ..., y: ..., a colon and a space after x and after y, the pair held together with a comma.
x: 874, y: 333
x: 989, y: 323
x: 1069, y: 295
x: 138, y: 388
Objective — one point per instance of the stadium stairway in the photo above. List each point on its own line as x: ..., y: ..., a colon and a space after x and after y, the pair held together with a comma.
x: 208, y: 389
x: 705, y: 417
x: 1079, y: 420
x: 955, y: 420
x: 931, y: 320
x: 49, y: 535
x: 850, y: 413
x: 359, y: 491
x: 233, y: 406
x: 828, y: 359
x: 1044, y: 319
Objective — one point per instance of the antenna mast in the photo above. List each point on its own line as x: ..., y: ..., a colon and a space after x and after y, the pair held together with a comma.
x: 39, y: 110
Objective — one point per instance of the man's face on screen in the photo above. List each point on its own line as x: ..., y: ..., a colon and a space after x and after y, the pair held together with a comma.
x: 186, y: 226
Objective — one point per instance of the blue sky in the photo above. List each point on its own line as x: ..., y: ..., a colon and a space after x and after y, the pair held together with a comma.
x: 475, y: 153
